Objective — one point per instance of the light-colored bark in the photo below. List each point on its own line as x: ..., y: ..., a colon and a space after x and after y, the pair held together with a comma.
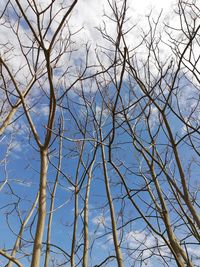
x: 111, y: 207
x: 18, y: 103
x: 75, y: 222
x: 86, y: 218
x: 41, y: 211
x: 180, y: 255
x: 19, y: 236
x: 7, y: 120
x: 53, y: 194
x: 9, y: 257
x: 187, y: 199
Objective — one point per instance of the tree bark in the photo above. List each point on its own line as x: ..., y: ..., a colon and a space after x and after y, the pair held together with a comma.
x: 36, y: 255
x: 111, y: 207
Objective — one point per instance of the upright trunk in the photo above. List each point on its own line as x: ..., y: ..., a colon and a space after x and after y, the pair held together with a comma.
x: 19, y: 236
x: 187, y: 199
x: 36, y: 255
x: 86, y: 214
x: 86, y: 240
x: 179, y: 254
x: 48, y: 239
x: 47, y: 255
x: 73, y: 246
x: 111, y: 207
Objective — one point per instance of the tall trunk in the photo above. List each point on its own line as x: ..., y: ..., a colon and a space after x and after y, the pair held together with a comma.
x: 76, y: 206
x: 36, y: 255
x: 86, y: 214
x: 47, y: 254
x: 19, y: 236
x: 179, y: 253
x: 75, y: 226
x: 112, y: 210
x: 187, y: 199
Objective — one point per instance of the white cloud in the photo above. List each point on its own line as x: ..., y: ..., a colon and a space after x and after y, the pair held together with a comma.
x: 194, y: 251
x: 99, y: 220
x: 16, y: 146
x: 145, y: 245
x: 154, y: 119
x: 44, y: 110
x: 102, y: 220
x: 79, y: 18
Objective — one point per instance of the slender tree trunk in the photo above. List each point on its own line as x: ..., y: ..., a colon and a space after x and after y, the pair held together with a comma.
x: 76, y: 203
x: 46, y: 264
x: 19, y: 236
x: 86, y: 214
x: 75, y: 227
x: 188, y: 202
x: 47, y: 252
x: 112, y: 210
x: 36, y: 255
x: 179, y: 253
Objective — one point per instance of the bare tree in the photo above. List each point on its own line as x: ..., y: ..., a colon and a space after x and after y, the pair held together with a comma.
x: 109, y: 137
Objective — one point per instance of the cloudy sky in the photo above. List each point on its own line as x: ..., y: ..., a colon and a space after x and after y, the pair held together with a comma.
x: 89, y: 14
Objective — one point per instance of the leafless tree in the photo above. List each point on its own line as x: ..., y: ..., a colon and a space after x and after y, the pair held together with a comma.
x: 112, y: 141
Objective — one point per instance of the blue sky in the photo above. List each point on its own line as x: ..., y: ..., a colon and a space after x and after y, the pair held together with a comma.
x: 86, y: 100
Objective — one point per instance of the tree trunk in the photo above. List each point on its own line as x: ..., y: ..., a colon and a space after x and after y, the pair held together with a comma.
x: 111, y: 207
x: 41, y: 211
